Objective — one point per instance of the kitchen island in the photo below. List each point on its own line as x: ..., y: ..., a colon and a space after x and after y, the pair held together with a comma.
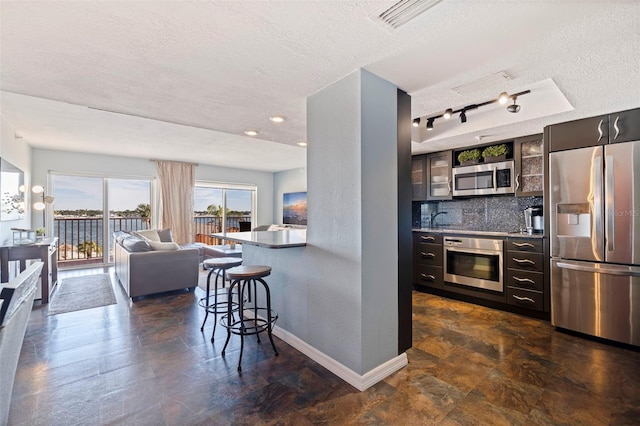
x: 270, y: 239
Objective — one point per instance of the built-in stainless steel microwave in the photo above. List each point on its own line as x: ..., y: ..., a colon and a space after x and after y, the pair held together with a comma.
x: 484, y: 179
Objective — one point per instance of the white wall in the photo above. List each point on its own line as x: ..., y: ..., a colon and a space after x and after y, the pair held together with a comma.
x: 294, y: 180
x: 18, y: 153
x: 45, y: 161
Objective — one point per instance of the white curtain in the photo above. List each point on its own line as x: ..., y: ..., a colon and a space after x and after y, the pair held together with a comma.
x: 177, y: 181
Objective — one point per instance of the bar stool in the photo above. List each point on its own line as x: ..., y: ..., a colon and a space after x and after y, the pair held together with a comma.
x: 243, y: 277
x: 219, y: 265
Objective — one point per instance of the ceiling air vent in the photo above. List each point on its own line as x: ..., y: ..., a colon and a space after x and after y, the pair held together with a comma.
x: 496, y: 80
x: 404, y: 11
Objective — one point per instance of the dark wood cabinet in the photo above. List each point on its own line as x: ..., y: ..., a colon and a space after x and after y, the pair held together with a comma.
x: 624, y: 126
x: 528, y: 153
x: 524, y: 278
x: 579, y: 133
x: 439, y: 176
x: 427, y: 260
x: 419, y: 177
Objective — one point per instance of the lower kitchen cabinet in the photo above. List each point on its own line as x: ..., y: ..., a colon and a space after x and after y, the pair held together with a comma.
x: 427, y: 260
x: 525, y: 273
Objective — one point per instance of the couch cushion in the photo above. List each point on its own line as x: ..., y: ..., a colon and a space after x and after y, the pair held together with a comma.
x: 158, y: 245
x: 135, y: 244
x: 148, y: 234
x: 165, y: 235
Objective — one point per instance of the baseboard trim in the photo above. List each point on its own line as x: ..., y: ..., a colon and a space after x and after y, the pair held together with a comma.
x: 358, y: 381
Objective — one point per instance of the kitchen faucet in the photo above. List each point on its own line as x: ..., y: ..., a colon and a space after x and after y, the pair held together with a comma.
x: 434, y: 215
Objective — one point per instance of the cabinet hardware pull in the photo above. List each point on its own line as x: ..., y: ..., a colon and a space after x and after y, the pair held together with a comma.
x: 427, y: 238
x: 615, y: 126
x: 600, y: 130
x: 524, y: 280
x: 427, y: 255
x: 428, y: 277
x: 517, y: 183
x: 524, y: 245
x: 523, y: 299
x: 449, y: 187
x: 523, y: 261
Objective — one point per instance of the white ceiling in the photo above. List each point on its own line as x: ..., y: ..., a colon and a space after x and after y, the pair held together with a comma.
x: 185, y: 79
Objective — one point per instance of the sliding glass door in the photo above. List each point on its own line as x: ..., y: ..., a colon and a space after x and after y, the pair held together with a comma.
x: 84, y: 236
x: 222, y: 208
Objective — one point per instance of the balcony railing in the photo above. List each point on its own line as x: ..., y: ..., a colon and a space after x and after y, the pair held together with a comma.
x: 80, y: 239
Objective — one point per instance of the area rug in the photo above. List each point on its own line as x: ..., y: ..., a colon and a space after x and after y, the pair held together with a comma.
x: 84, y: 292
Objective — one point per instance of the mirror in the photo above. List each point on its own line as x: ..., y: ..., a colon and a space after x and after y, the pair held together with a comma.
x: 12, y: 205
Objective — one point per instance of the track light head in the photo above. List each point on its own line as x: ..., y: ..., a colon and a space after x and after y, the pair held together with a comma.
x: 416, y: 122
x: 513, y: 108
x: 447, y: 114
x: 430, y: 124
x: 503, y: 98
x: 463, y: 116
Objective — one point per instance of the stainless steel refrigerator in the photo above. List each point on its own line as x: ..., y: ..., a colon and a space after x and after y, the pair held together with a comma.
x: 595, y: 240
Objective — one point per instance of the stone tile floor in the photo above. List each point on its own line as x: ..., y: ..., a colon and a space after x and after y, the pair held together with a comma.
x: 148, y: 364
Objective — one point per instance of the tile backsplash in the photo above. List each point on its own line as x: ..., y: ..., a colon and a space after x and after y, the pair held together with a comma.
x: 491, y: 213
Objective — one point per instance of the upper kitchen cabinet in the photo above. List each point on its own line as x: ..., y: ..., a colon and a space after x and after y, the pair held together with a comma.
x: 529, y: 164
x: 579, y: 133
x: 439, y: 176
x: 624, y: 126
x: 618, y: 127
x: 419, y: 177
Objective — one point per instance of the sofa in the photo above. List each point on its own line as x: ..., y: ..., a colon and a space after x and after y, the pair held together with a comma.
x: 149, y: 262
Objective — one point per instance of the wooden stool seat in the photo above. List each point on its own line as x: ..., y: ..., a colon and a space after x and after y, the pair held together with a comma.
x: 248, y: 272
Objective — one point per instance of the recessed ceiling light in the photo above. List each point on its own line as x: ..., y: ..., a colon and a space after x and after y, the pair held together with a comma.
x: 251, y: 133
x: 277, y: 119
x: 301, y: 143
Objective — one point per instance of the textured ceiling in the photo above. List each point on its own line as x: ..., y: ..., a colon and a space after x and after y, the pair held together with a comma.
x: 187, y: 78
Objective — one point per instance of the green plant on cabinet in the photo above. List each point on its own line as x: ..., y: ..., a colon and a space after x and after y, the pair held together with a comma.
x: 469, y: 155
x: 495, y: 151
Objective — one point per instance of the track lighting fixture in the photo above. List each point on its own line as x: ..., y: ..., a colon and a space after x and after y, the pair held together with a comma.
x: 430, y: 124
x: 513, y: 108
x: 463, y: 111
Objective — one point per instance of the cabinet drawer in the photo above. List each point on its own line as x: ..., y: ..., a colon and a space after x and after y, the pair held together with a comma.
x: 429, y: 276
x: 428, y: 254
x: 523, y: 244
x: 525, y: 298
x: 427, y: 238
x: 525, y: 261
x: 525, y: 279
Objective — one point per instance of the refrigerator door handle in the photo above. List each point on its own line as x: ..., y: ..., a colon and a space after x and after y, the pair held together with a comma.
x: 611, y: 204
x: 597, y: 229
x: 632, y: 271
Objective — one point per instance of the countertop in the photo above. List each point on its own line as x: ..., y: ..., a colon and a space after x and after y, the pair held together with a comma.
x: 516, y: 234
x: 269, y: 239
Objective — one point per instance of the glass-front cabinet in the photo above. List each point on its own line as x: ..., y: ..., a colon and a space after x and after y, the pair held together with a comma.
x: 439, y: 176
x: 418, y: 178
x: 529, y: 157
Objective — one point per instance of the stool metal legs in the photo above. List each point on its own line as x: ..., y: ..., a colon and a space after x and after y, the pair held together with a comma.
x: 215, y: 308
x: 247, y: 326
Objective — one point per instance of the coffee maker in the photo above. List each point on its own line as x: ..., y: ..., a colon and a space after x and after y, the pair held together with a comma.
x: 534, y: 220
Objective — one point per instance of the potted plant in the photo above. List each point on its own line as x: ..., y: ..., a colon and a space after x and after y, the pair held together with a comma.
x: 469, y: 156
x: 495, y: 153
x: 40, y: 233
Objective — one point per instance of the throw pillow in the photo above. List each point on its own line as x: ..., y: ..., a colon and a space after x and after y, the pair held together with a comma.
x: 165, y: 235
x: 134, y: 244
x: 156, y: 245
x: 119, y: 236
x: 148, y: 234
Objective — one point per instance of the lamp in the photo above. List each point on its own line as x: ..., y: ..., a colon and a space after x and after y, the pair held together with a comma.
x: 41, y: 205
x: 416, y: 122
x: 503, y: 98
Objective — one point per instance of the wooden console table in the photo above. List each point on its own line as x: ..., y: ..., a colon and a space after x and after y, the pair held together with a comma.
x: 45, y: 250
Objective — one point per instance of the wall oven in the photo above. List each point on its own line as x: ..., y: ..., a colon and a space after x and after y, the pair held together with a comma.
x: 474, y: 262
x: 484, y: 179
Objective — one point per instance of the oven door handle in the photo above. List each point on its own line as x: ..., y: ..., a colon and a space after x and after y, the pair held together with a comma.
x: 475, y: 251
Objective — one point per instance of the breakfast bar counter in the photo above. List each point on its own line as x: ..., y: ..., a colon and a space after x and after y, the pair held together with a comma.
x: 269, y: 239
